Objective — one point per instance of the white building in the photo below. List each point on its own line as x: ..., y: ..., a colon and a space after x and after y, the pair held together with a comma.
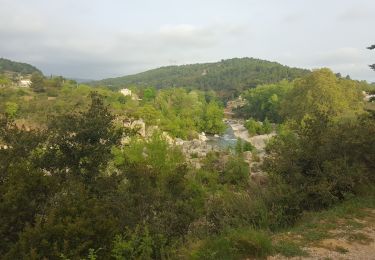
x: 126, y: 92
x: 25, y: 83
x: 367, y: 97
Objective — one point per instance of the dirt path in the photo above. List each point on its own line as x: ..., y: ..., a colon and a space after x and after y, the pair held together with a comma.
x: 348, y: 242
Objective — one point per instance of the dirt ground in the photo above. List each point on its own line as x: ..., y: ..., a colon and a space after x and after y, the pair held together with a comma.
x: 358, y: 244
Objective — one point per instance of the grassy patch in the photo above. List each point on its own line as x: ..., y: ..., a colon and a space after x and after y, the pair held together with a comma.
x: 289, y: 249
x: 359, y: 238
x: 236, y: 244
x: 315, y: 235
x: 345, y: 218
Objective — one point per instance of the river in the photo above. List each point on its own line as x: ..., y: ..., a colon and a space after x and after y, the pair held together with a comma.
x: 236, y: 129
x: 224, y: 141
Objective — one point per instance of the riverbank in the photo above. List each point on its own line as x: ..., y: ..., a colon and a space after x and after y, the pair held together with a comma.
x: 240, y: 131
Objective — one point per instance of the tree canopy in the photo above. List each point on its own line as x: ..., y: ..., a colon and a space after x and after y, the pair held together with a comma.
x: 227, y: 77
x: 18, y: 67
x: 322, y: 93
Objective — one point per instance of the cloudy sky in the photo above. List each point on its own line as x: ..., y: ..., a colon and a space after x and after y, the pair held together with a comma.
x: 96, y: 39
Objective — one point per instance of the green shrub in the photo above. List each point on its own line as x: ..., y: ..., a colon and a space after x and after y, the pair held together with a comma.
x: 258, y: 128
x: 136, y: 245
x: 233, y: 210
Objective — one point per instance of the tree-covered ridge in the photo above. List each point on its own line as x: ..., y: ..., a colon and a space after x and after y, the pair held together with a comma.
x: 17, y: 67
x: 228, y: 77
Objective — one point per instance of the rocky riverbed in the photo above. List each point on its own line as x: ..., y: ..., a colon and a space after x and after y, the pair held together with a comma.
x: 239, y: 131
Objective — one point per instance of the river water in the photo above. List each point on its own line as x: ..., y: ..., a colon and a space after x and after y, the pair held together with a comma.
x: 225, y: 141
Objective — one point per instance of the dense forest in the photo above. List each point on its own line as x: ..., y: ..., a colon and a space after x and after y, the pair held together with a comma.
x: 16, y: 67
x: 78, y: 182
x: 227, y: 77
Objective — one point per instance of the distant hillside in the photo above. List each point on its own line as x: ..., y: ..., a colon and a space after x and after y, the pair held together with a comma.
x: 18, y: 67
x: 228, y: 77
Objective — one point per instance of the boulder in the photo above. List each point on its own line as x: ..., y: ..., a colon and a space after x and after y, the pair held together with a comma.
x: 202, y: 137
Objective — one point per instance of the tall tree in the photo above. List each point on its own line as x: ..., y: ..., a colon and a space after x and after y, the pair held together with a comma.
x: 322, y: 93
x: 81, y: 143
x: 37, y: 82
x: 372, y: 66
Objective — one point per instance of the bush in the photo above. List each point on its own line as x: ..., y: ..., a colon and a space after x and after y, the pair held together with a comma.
x: 258, y: 128
x: 137, y: 245
x: 233, y: 210
x: 324, y: 161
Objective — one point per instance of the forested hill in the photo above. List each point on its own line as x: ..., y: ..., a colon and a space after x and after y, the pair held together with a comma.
x: 227, y: 77
x: 17, y: 67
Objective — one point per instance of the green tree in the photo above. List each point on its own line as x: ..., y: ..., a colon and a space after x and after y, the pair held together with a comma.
x: 323, y: 161
x: 214, y: 115
x: 4, y: 81
x: 37, y: 82
x: 53, y: 186
x: 11, y: 109
x: 24, y: 187
x: 81, y: 143
x: 136, y: 245
x: 264, y: 101
x: 322, y: 93
x: 149, y: 94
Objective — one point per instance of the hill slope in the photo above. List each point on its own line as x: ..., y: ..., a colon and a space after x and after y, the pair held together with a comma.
x: 18, y: 67
x: 228, y: 77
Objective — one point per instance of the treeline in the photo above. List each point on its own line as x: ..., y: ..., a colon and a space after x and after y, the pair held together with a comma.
x: 16, y: 67
x: 177, y: 111
x: 228, y: 78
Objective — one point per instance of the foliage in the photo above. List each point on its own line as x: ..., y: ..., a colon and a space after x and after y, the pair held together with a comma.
x: 81, y: 143
x: 258, y: 128
x: 137, y: 246
x: 227, y: 77
x: 179, y: 112
x: 214, y: 119
x: 69, y: 189
x: 186, y: 113
x: 243, y: 146
x: 12, y: 66
x: 37, y: 82
x: 322, y: 93
x: 236, y: 244
x: 49, y: 182
x: 149, y: 94
x: 11, y: 109
x: 316, y: 156
x: 227, y: 169
x: 4, y: 81
x: 264, y: 101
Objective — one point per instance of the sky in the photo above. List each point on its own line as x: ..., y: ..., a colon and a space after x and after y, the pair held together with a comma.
x: 95, y: 39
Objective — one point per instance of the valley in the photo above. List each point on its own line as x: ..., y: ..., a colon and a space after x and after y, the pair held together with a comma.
x: 216, y: 169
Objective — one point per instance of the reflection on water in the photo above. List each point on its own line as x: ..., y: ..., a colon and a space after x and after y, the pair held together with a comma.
x: 225, y: 141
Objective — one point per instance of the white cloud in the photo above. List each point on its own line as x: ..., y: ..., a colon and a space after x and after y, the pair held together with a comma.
x: 91, y: 38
